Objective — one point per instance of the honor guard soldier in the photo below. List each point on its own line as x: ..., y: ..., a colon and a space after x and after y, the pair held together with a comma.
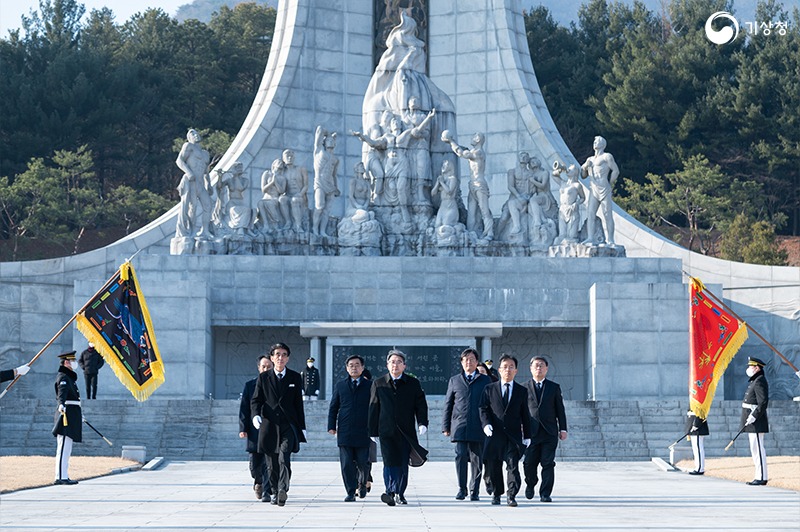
x: 68, y: 418
x: 754, y: 418
x: 697, y: 429
x: 11, y: 374
x: 310, y: 377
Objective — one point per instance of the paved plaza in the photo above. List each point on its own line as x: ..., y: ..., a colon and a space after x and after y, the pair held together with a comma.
x: 190, y: 496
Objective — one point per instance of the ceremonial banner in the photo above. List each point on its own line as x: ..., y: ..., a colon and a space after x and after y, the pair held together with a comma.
x: 117, y: 322
x: 714, y: 337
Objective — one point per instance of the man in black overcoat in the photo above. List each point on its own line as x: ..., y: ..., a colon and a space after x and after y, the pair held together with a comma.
x: 548, y: 426
x: 397, y: 403
x: 507, y: 425
x: 90, y: 362
x: 697, y: 430
x: 754, y: 418
x: 347, y: 420
x: 462, y: 422
x: 68, y: 417
x: 258, y: 464
x: 277, y: 408
x: 311, y: 381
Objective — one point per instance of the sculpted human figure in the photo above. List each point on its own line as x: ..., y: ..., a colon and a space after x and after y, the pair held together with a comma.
x: 478, y: 200
x: 519, y: 191
x: 295, y: 208
x: 541, y: 200
x: 571, y: 196
x: 326, y: 165
x: 193, y: 160
x: 273, y: 188
x: 359, y: 195
x: 419, y: 145
x: 603, y: 171
x: 239, y: 213
x: 447, y: 185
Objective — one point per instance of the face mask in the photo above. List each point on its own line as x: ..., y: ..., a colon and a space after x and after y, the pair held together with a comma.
x: 310, y: 364
x: 73, y: 364
x: 751, y: 370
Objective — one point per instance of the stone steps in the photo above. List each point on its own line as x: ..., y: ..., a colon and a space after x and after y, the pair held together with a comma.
x: 208, y: 429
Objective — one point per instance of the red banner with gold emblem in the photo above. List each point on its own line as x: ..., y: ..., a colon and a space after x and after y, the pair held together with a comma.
x: 714, y: 337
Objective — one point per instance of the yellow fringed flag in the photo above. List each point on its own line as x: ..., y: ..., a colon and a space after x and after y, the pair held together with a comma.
x: 118, y: 323
x: 714, y: 337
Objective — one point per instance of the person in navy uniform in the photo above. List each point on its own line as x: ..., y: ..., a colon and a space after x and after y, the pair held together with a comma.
x: 346, y: 420
x: 461, y: 421
x: 68, y: 418
x: 507, y: 425
x: 697, y: 430
x: 548, y: 426
x: 310, y: 376
x: 258, y: 464
x: 277, y: 408
x: 396, y: 403
x: 754, y: 418
x: 11, y: 374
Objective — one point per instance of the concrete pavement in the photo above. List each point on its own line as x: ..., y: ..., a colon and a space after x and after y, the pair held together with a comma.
x: 590, y: 496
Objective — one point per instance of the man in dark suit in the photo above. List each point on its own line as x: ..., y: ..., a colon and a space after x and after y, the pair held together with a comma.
x: 258, y: 466
x: 277, y: 408
x: 462, y: 422
x: 507, y: 424
x: 346, y: 420
x: 548, y: 425
x: 754, y: 418
x: 396, y: 404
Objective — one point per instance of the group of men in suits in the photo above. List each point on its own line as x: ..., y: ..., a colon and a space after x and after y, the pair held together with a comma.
x: 500, y: 422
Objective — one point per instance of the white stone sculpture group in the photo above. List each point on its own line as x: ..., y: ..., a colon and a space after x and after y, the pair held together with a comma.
x: 405, y: 195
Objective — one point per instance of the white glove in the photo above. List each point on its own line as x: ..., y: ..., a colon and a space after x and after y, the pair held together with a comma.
x: 83, y: 419
x: 750, y: 420
x: 374, y: 439
x: 316, y: 393
x: 488, y: 430
x: 526, y: 442
x: 797, y: 373
x: 422, y: 430
x: 305, y: 434
x: 257, y: 422
x: 23, y: 369
x: 62, y: 408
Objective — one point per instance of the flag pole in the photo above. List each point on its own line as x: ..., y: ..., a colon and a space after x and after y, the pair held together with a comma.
x: 53, y: 339
x: 726, y: 307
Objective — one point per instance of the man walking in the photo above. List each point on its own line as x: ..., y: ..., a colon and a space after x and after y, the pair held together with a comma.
x: 754, y: 418
x: 258, y: 466
x: 548, y: 425
x: 68, y: 418
x: 346, y: 420
x: 91, y: 361
x: 461, y: 421
x: 396, y: 403
x: 277, y: 408
x: 506, y: 422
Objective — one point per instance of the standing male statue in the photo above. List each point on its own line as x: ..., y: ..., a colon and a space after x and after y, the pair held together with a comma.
x: 325, y: 188
x: 478, y: 200
x: 603, y: 171
x: 295, y: 208
x: 193, y: 188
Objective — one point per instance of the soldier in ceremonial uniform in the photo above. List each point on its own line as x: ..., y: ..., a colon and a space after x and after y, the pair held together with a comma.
x: 697, y: 430
x: 67, y: 429
x: 310, y: 376
x: 754, y: 418
x: 11, y: 374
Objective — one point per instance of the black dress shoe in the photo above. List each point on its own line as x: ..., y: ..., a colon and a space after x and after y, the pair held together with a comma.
x: 282, y: 497
x: 496, y: 500
x: 350, y: 498
x: 274, y: 499
x: 401, y: 499
x: 461, y: 495
x: 387, y: 498
x: 696, y: 472
x: 474, y: 496
x: 65, y: 482
x: 545, y: 498
x: 512, y: 501
x: 757, y: 483
x: 489, y: 489
x: 529, y: 492
x: 362, y: 491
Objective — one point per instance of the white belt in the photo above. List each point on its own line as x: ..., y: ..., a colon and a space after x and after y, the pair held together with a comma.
x: 74, y: 403
x: 747, y: 405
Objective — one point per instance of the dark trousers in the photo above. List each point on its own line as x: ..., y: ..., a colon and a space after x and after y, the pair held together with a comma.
x: 395, y: 477
x: 279, y: 464
x: 494, y: 466
x: 469, y: 453
x: 355, y: 467
x: 258, y: 470
x: 541, y: 453
x: 91, y: 385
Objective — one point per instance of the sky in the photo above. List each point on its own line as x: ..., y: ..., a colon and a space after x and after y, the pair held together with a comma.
x: 12, y: 10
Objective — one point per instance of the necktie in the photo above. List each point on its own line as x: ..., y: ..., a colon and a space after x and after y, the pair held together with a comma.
x: 506, y: 392
x: 469, y: 377
x: 280, y: 377
x: 353, y: 384
x: 538, y: 390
